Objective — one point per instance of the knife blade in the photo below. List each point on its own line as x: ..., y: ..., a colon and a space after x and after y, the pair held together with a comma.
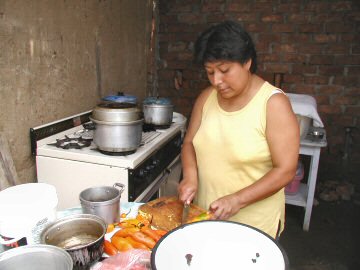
x: 185, y: 213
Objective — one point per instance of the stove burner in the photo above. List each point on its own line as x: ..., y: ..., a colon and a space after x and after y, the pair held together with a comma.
x: 109, y: 153
x: 71, y: 143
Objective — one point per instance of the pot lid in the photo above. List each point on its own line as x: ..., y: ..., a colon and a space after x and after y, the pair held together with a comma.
x: 121, y: 98
x: 157, y: 100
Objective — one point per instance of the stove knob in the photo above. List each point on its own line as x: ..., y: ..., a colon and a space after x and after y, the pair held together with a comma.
x: 143, y: 172
x: 156, y: 162
x: 150, y: 167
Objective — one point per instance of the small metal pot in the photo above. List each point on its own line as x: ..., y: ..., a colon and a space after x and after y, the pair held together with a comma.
x: 39, y: 257
x: 158, y: 114
x: 81, y: 235
x: 102, y: 201
x: 117, y: 136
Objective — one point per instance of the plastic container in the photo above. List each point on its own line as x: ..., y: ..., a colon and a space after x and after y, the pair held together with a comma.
x: 24, y: 212
x: 293, y: 186
x: 304, y: 125
x: 180, y: 120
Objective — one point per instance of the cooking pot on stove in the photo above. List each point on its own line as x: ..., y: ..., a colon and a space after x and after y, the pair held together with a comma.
x: 158, y: 111
x: 118, y: 127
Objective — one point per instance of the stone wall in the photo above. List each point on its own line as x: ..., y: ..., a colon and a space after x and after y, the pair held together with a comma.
x: 58, y: 58
x: 315, y: 44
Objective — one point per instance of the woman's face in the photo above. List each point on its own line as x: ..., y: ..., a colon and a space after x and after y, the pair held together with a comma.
x: 229, y: 78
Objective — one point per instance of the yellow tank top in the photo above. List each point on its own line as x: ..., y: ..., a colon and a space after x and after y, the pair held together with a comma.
x: 232, y: 153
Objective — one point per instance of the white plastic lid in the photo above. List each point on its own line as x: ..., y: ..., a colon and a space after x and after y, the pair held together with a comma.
x: 27, y: 199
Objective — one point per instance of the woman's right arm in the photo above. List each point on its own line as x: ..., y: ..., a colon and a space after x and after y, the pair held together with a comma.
x: 189, y: 184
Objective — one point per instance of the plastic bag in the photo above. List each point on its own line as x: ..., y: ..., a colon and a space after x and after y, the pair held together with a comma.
x: 133, y: 259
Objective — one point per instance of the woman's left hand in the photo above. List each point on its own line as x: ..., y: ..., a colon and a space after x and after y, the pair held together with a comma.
x: 225, y: 207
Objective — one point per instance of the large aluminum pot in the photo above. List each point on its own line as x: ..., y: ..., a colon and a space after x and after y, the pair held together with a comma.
x: 158, y: 111
x: 116, y: 112
x: 102, y: 201
x: 81, y: 235
x: 117, y: 136
x: 36, y: 257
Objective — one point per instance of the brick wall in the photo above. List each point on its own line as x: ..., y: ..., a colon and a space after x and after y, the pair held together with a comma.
x: 314, y: 43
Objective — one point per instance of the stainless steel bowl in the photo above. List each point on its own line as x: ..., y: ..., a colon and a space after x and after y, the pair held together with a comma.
x: 36, y: 257
x: 81, y: 235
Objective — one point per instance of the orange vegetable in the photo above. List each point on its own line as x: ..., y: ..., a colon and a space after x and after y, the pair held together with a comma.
x: 150, y: 232
x: 121, y: 243
x: 124, y: 215
x: 126, y: 232
x: 142, y: 238
x: 202, y: 216
x: 110, y: 227
x: 161, y: 232
x: 131, y: 223
x: 136, y: 244
x: 109, y: 248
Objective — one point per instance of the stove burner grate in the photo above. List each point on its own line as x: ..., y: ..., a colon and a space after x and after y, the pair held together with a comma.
x: 71, y: 143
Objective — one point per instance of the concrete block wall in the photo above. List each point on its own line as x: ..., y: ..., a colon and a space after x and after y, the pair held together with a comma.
x: 58, y: 58
x: 315, y: 44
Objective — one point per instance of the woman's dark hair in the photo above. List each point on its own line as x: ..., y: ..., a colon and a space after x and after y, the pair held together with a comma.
x: 225, y: 41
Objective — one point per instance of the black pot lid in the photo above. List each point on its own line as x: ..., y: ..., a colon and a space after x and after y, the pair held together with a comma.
x: 116, y: 105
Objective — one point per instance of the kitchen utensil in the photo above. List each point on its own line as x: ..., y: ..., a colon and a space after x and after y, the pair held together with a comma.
x: 118, y: 127
x: 217, y: 244
x: 102, y: 201
x: 116, y: 112
x: 158, y: 111
x: 185, y: 213
x: 81, y: 235
x: 117, y: 136
x: 36, y: 257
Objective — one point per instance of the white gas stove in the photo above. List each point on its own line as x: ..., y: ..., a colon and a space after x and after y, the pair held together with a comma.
x: 144, y: 173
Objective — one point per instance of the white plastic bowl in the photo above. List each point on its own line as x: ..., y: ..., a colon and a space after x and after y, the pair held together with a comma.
x: 217, y: 245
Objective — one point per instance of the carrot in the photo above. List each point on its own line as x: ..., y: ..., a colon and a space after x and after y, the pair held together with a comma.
x: 126, y: 232
x: 136, y: 244
x: 151, y: 233
x: 142, y: 238
x: 109, y: 248
x: 121, y: 243
x: 161, y: 232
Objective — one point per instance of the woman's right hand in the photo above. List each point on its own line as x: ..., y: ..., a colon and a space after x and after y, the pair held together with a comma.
x: 187, y: 190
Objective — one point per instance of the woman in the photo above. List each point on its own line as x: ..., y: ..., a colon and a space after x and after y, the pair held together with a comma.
x: 242, y: 143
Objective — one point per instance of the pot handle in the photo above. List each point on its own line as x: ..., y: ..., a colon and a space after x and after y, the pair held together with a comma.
x: 8, y: 242
x: 121, y: 186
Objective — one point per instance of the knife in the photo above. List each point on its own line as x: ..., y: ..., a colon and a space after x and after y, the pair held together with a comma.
x: 185, y: 212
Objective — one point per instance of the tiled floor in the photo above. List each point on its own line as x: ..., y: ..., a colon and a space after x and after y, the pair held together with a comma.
x: 332, y: 243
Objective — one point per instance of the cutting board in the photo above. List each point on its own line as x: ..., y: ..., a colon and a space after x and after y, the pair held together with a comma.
x: 165, y: 213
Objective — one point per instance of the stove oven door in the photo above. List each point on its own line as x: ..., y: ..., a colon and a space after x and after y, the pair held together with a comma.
x: 165, y: 184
